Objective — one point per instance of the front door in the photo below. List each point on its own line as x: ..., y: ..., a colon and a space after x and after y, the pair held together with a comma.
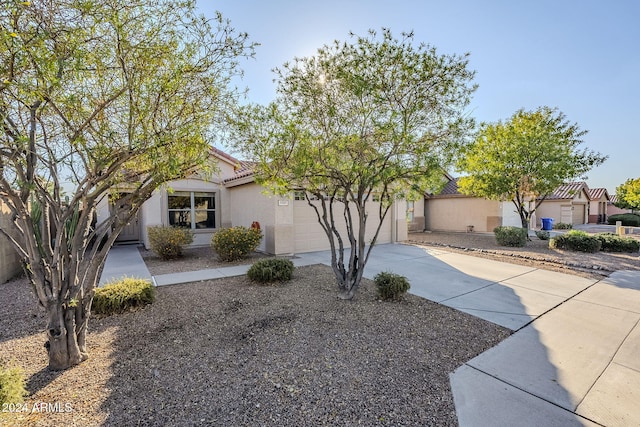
x: 131, y: 232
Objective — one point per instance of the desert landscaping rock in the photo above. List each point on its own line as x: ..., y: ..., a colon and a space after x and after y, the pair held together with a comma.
x: 231, y: 352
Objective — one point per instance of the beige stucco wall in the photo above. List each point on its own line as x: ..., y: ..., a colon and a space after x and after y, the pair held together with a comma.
x: 418, y: 216
x: 10, y: 264
x: 557, y: 210
x: 457, y: 213
x: 247, y: 204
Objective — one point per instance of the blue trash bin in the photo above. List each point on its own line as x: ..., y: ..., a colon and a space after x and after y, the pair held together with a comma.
x: 547, y: 224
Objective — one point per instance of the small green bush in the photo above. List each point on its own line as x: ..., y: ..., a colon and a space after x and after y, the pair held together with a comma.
x: 12, y: 384
x: 236, y: 242
x: 562, y: 226
x: 122, y: 295
x: 543, y: 235
x: 614, y: 243
x: 391, y: 286
x: 511, y: 236
x: 168, y: 242
x: 576, y: 240
x: 628, y: 219
x: 271, y: 270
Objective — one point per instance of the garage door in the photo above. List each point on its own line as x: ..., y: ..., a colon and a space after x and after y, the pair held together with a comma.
x: 578, y: 214
x: 309, y: 235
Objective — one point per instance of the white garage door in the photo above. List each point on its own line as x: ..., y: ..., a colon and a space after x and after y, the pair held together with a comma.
x: 309, y: 235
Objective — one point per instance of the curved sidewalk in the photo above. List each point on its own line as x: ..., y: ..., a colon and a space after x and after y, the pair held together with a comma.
x: 572, y: 360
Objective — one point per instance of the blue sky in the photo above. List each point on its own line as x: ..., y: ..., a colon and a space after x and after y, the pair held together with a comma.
x: 581, y: 56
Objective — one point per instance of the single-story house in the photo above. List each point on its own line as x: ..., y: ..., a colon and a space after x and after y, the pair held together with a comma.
x: 232, y: 198
x: 449, y: 210
x: 598, y: 202
x: 10, y: 263
x: 569, y: 204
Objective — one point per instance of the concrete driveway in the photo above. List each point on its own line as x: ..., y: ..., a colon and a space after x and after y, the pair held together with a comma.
x: 574, y: 358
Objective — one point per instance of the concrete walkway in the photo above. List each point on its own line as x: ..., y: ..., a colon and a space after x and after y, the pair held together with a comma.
x: 573, y: 359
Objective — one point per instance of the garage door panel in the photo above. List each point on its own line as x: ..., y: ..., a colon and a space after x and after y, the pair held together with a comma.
x: 309, y: 235
x: 578, y: 214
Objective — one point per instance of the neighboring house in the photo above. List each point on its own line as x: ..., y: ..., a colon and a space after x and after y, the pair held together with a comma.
x: 449, y: 210
x: 598, y: 201
x: 614, y: 210
x: 10, y: 263
x: 569, y: 204
x: 231, y: 197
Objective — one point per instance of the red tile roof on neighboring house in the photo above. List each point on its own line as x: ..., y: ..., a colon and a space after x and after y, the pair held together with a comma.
x: 613, y: 198
x: 598, y: 193
x: 568, y: 191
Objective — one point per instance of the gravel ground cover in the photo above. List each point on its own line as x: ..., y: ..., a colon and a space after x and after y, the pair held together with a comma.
x: 229, y: 352
x: 536, y: 253
x: 233, y: 353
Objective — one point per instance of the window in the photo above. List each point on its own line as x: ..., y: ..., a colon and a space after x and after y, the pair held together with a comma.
x: 189, y: 209
x: 410, y: 209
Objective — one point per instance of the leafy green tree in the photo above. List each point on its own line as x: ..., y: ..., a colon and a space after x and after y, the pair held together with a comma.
x: 356, y: 122
x: 110, y: 96
x: 629, y: 194
x: 525, y: 159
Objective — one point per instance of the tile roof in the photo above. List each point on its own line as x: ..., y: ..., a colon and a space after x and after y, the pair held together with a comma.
x: 568, y: 191
x: 598, y: 193
x: 450, y: 188
x: 613, y: 198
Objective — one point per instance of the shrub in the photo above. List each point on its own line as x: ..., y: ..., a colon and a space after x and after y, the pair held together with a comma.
x: 391, y: 286
x: 511, y: 236
x: 12, y: 385
x: 236, y: 242
x: 543, y: 235
x: 628, y: 219
x: 576, y: 240
x: 122, y: 295
x: 614, y: 243
x: 562, y: 226
x: 168, y: 242
x: 271, y: 270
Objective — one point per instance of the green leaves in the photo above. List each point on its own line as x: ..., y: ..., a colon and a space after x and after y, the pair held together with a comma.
x: 367, y: 114
x: 525, y: 158
x: 628, y: 194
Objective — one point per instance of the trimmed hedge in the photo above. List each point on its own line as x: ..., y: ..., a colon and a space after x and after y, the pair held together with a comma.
x: 122, y: 295
x: 271, y: 270
x: 614, y: 243
x: 576, y: 240
x: 543, y: 235
x: 628, y: 219
x: 562, y: 226
x: 236, y: 242
x: 391, y: 286
x: 12, y: 385
x: 511, y: 236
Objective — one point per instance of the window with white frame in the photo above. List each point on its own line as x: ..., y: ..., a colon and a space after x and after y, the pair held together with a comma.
x: 194, y: 210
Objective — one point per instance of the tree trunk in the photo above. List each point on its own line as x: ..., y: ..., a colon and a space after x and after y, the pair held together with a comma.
x: 67, y: 337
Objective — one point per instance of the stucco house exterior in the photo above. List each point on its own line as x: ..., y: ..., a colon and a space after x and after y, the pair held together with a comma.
x: 231, y: 197
x: 569, y: 204
x: 10, y: 263
x: 614, y: 210
x: 598, y: 205
x: 449, y: 210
